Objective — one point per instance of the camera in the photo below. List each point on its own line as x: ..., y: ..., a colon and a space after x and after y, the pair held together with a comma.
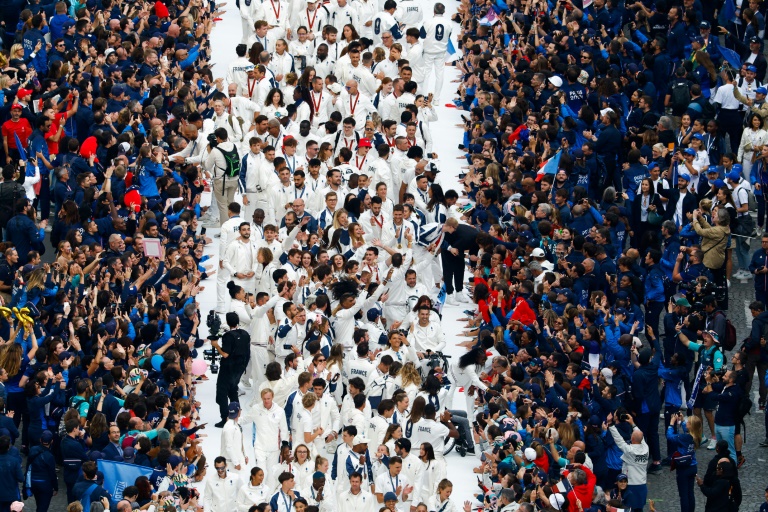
x: 212, y: 141
x: 214, y: 325
x: 212, y: 355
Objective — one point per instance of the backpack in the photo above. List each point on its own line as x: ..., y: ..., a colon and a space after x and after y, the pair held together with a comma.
x: 233, y: 162
x: 681, y: 96
x: 730, y: 334
x: 240, y: 121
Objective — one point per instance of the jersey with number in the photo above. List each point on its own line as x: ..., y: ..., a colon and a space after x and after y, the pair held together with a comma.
x: 384, y: 22
x: 436, y: 33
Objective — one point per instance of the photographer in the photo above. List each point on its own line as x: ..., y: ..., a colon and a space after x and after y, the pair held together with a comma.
x: 725, y: 393
x: 223, y: 166
x: 235, y: 352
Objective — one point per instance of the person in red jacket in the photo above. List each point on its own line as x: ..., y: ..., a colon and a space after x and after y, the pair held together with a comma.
x: 16, y: 125
x: 582, y: 482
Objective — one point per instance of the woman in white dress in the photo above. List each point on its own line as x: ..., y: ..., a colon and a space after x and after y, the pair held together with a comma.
x: 754, y: 136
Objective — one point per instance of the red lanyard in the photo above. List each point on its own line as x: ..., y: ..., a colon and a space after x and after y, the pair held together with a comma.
x: 251, y: 87
x: 319, y: 100
x: 358, y: 163
x: 380, y: 224
x: 311, y: 21
x: 391, y: 142
x: 410, y: 144
x: 350, y: 144
x: 352, y: 106
x: 276, y: 11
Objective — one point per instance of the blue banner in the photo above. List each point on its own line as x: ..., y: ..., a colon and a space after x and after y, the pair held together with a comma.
x: 119, y: 475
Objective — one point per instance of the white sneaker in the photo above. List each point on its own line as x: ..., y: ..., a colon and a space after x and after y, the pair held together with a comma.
x: 451, y: 300
x: 712, y: 443
x: 464, y: 297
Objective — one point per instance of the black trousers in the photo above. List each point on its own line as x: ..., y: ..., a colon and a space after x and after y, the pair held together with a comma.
x: 731, y: 123
x: 226, y: 385
x: 453, y: 271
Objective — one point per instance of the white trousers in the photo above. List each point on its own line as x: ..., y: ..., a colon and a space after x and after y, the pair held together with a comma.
x: 223, y: 299
x: 268, y: 462
x: 436, y: 61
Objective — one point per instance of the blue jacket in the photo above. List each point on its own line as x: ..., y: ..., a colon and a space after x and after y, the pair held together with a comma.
x: 146, y: 178
x: 40, y: 60
x: 21, y: 230
x: 672, y: 379
x: 43, y: 466
x: 10, y: 477
x: 676, y: 41
x: 682, y: 442
x: 654, y: 284
x: 669, y: 256
x: 759, y: 260
x: 645, y: 386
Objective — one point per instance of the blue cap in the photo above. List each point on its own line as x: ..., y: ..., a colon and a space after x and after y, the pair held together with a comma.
x: 752, y: 69
x: 734, y: 175
x: 234, y: 409
x: 652, y: 165
x: 621, y: 477
x: 761, y: 90
x: 317, y: 475
x: 685, y: 176
x: 698, y: 136
x: 620, y: 311
x: 737, y: 167
x: 713, y: 168
x: 46, y: 437
x: 689, y: 151
x: 719, y: 183
x: 373, y: 314
x: 705, y: 24
x: 390, y: 496
x: 698, y: 39
x: 535, y: 362
x: 67, y: 24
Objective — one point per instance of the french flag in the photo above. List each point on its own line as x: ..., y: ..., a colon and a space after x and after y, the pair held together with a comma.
x: 489, y: 19
x: 550, y: 166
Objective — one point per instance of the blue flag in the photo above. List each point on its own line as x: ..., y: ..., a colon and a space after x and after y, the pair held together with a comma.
x: 119, y: 475
x: 731, y: 56
x: 441, y: 299
x: 22, y: 151
x: 727, y: 13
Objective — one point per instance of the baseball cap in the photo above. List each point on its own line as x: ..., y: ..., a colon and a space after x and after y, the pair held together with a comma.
x: 390, y: 496
x: 360, y: 439
x: 364, y: 143
x: 317, y: 475
x: 557, y: 501
x: 605, y: 111
x: 556, y: 81
x: 16, y: 106
x: 46, y: 437
x: 753, y: 69
x: 754, y: 39
x: 538, y: 253
x: 108, y: 52
x: 698, y: 136
x: 530, y: 454
x: 705, y: 25
x: 761, y: 90
x: 734, y: 175
x: 23, y: 93
x: 719, y: 183
x: 690, y: 151
x: 685, y: 176
x: 607, y: 375
x: 713, y: 334
x: 621, y: 477
x: 620, y: 311
x: 713, y: 169
x: 129, y: 454
x: 682, y: 301
x: 234, y: 409
x: 697, y: 39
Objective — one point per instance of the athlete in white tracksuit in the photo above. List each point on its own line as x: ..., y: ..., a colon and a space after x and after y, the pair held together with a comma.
x: 271, y: 431
x: 436, y: 32
x: 260, y: 332
x: 230, y: 231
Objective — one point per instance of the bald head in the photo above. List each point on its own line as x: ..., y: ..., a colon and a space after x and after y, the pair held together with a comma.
x: 637, y: 436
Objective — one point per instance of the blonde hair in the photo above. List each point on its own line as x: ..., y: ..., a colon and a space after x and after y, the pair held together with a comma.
x: 705, y: 205
x: 410, y: 375
x: 15, y: 48
x: 694, y: 428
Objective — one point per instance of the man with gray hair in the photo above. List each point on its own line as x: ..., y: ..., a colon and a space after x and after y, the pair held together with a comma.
x: 507, y: 498
x: 436, y: 32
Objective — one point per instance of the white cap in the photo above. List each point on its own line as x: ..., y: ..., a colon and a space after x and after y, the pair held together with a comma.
x: 538, y: 253
x: 608, y: 375
x: 335, y: 88
x: 360, y: 439
x: 556, y: 501
x: 605, y: 111
x: 530, y: 454
x: 556, y: 81
x: 636, y: 342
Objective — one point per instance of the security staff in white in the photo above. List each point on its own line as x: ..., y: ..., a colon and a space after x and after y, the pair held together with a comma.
x: 221, y: 488
x: 240, y: 258
x: 436, y: 32
x: 229, y: 232
x: 232, y: 441
x: 271, y: 431
x: 357, y: 499
x: 217, y: 167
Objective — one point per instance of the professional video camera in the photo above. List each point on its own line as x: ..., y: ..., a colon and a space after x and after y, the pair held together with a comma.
x: 214, y: 327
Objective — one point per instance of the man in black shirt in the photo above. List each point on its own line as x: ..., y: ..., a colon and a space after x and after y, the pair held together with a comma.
x: 235, y: 352
x: 8, y: 269
x: 458, y: 239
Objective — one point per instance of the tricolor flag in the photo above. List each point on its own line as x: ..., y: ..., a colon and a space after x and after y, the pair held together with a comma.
x: 490, y: 19
x: 550, y: 166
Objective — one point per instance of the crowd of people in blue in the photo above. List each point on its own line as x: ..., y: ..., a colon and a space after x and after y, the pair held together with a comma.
x: 611, y: 188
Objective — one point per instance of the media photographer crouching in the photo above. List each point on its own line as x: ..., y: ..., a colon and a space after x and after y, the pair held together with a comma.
x: 235, y: 352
